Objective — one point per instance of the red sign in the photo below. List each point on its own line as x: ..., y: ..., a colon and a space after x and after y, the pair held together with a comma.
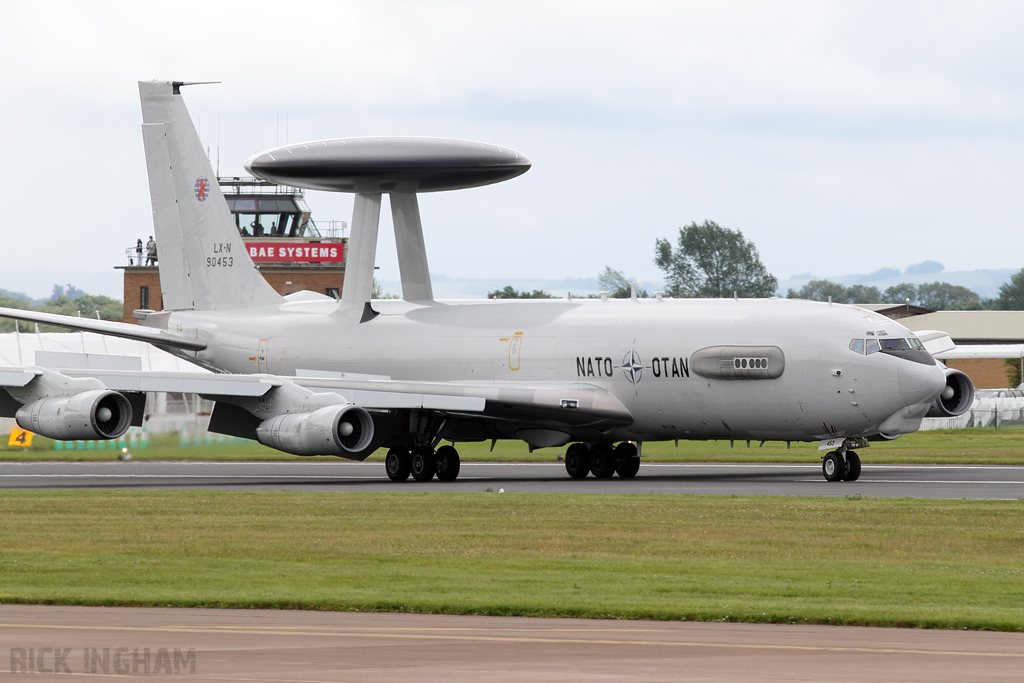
x: 307, y: 252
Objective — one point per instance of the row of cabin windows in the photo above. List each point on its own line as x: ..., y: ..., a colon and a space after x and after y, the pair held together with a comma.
x: 869, y: 346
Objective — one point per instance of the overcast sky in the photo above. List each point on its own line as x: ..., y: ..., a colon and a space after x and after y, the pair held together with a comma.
x: 839, y: 136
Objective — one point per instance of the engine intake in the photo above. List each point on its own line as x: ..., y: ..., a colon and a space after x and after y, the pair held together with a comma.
x: 332, y: 430
x: 956, y: 399
x: 95, y: 414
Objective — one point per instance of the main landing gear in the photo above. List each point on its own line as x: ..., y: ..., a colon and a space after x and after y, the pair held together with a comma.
x: 602, y: 460
x: 423, y: 463
x: 841, y: 465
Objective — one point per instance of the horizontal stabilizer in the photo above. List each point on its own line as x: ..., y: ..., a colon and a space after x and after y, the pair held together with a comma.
x: 109, y: 327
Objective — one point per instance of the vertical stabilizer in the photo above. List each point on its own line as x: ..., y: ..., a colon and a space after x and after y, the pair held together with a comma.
x: 202, y: 258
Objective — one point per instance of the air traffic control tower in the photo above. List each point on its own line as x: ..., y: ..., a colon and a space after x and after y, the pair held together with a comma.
x: 291, y: 251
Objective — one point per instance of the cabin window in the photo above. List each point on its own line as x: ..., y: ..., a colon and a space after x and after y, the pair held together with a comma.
x: 871, y: 346
x: 857, y: 345
x: 915, y: 343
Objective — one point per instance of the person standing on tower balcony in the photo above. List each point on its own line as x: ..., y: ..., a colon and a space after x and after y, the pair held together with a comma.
x: 138, y: 251
x: 151, y: 252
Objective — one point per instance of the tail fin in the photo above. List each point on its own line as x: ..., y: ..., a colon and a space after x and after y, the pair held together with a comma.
x: 202, y: 258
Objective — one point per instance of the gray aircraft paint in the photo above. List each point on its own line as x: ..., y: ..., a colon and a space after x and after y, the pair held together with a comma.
x: 583, y: 370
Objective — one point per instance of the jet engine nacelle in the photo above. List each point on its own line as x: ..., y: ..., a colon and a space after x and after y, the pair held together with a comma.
x: 956, y: 399
x: 332, y: 430
x: 95, y: 414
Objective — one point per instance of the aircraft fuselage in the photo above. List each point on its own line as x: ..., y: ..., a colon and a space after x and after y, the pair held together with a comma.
x: 641, y: 352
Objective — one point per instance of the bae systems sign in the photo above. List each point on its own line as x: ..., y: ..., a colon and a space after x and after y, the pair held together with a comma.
x: 304, y: 253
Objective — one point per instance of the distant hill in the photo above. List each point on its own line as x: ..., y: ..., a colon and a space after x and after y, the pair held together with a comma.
x: 21, y: 295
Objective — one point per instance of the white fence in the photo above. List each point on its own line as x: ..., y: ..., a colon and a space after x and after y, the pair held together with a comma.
x: 1001, y: 413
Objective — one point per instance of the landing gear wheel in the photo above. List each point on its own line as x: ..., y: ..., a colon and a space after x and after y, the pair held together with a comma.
x: 852, y: 467
x: 627, y: 461
x: 602, y: 461
x: 832, y: 466
x: 577, y: 461
x: 448, y: 463
x: 398, y: 463
x: 424, y: 464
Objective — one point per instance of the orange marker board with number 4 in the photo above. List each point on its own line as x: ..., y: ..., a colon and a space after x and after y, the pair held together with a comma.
x: 20, y: 437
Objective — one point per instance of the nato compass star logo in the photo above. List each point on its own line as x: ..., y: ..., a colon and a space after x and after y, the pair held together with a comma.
x: 632, y: 367
x: 202, y: 189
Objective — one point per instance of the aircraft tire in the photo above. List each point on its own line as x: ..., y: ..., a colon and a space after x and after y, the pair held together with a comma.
x: 833, y: 467
x: 424, y: 464
x: 627, y: 461
x: 448, y: 463
x: 602, y: 461
x: 577, y: 461
x: 852, y: 467
x: 398, y: 464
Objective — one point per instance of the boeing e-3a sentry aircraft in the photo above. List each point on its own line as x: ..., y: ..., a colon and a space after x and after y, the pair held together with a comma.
x: 311, y: 375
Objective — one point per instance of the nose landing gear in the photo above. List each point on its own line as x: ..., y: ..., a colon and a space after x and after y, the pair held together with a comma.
x: 841, y: 465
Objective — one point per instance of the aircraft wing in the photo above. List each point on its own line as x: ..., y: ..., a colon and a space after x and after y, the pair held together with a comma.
x: 569, y: 404
x: 111, y: 327
x: 936, y: 341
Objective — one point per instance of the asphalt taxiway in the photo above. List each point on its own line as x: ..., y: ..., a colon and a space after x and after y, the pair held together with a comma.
x: 887, y: 481
x: 296, y: 647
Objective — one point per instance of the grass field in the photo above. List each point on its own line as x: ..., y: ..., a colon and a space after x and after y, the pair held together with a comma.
x: 923, y: 563
x: 974, y: 446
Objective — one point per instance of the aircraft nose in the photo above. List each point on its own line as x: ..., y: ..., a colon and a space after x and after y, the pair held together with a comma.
x: 920, y: 383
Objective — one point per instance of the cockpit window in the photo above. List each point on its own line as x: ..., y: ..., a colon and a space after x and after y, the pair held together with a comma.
x: 894, y: 344
x: 869, y: 346
x: 910, y: 348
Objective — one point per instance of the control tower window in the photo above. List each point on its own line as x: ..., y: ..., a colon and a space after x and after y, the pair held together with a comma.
x: 332, y: 292
x: 143, y: 297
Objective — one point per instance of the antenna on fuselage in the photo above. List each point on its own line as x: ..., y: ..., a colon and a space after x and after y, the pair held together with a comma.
x: 401, y: 168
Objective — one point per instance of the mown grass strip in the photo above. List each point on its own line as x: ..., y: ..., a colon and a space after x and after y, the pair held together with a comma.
x: 962, y: 446
x: 923, y: 563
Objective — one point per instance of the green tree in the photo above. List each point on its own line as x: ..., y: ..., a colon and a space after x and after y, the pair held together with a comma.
x: 510, y: 292
x: 617, y: 285
x: 1013, y: 377
x: 863, y: 294
x: 942, y: 296
x: 1011, y: 294
x: 712, y: 261
x: 820, y: 290
x: 87, y: 305
x: 6, y: 324
x: 898, y: 294
x: 377, y: 292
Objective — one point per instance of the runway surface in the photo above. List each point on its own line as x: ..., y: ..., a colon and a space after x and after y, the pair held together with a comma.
x: 915, y: 481
x: 292, y: 646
